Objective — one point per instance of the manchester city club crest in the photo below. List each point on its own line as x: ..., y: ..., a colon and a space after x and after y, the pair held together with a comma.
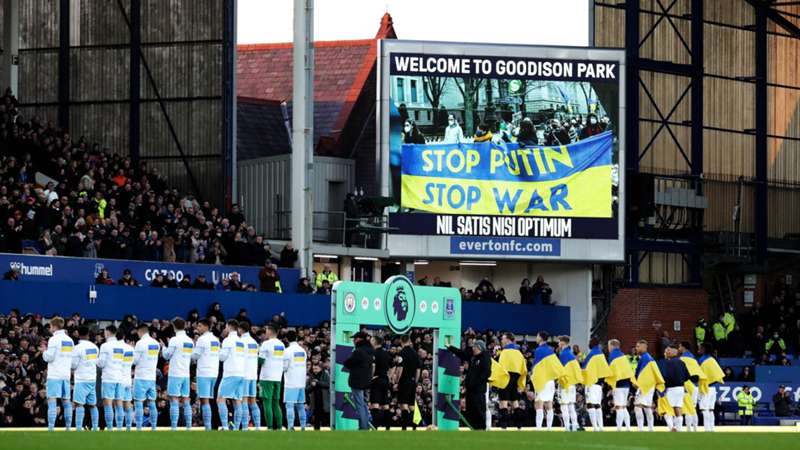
x: 349, y: 302
x: 400, y: 304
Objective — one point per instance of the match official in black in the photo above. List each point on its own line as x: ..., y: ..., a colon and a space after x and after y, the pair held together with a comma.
x: 409, y: 367
x: 475, y: 379
x: 380, y: 389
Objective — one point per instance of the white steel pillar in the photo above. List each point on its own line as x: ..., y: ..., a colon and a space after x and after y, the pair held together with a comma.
x: 303, y: 132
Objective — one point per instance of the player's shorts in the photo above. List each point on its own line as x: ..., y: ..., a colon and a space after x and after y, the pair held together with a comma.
x: 85, y: 393
x: 379, y: 391
x: 205, y: 387
x: 144, y: 390
x: 644, y: 398
x: 294, y: 395
x: 249, y: 388
x: 621, y: 396
x: 695, y: 395
x: 510, y: 393
x: 58, y: 389
x: 594, y: 394
x: 127, y: 393
x: 231, y: 387
x: 568, y: 395
x: 547, y: 394
x: 709, y: 400
x: 675, y: 396
x: 406, y: 393
x: 178, y: 386
x: 111, y: 391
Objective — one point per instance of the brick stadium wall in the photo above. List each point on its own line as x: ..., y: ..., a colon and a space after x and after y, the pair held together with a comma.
x: 645, y: 312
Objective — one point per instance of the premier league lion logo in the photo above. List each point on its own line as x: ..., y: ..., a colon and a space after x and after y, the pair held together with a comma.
x: 400, y: 304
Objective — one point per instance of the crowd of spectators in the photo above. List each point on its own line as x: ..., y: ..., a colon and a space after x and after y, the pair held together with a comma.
x: 529, y: 294
x: 71, y: 197
x: 766, y: 333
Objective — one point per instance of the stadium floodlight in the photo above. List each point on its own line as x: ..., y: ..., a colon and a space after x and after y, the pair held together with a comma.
x: 326, y: 256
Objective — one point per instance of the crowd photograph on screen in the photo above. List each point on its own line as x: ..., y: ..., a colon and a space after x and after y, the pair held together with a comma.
x: 535, y: 139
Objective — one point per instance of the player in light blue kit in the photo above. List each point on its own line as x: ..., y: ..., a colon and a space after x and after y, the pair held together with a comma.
x: 58, y: 357
x: 126, y: 383
x: 230, y: 388
x: 110, y: 361
x: 250, y: 392
x: 294, y: 391
x: 206, y: 354
x: 179, y: 354
x: 84, y: 364
x: 145, y: 357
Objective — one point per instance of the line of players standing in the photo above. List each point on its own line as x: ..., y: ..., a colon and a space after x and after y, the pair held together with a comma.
x: 673, y: 387
x: 119, y: 356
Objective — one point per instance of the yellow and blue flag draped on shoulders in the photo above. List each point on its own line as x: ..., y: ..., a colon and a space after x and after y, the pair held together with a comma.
x: 512, y: 361
x: 486, y: 178
x: 664, y: 408
x: 620, y: 369
x: 499, y: 377
x: 546, y: 367
x: 713, y: 372
x: 694, y: 371
x: 648, y: 375
x: 572, y: 370
x: 595, y: 367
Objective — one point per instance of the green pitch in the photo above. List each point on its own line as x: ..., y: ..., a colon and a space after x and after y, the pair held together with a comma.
x: 395, y: 440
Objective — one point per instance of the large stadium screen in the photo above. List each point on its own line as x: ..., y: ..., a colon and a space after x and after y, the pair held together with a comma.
x: 511, y: 150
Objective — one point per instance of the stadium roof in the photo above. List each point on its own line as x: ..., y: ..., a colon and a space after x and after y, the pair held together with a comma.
x: 264, y: 73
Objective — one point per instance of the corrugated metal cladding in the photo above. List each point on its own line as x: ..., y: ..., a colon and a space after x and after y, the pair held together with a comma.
x: 729, y: 105
x: 181, y: 42
x: 265, y: 191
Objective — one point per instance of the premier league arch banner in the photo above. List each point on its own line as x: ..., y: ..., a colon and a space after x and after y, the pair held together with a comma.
x: 490, y: 150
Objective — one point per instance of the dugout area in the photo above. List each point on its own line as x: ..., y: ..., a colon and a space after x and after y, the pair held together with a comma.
x: 400, y: 306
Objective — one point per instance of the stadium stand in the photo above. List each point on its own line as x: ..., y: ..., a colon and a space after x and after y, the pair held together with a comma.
x: 65, y: 196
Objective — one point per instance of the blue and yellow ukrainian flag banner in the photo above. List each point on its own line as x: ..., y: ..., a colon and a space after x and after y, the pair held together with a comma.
x: 240, y: 347
x: 66, y: 346
x: 499, y: 377
x: 648, y: 375
x: 620, y: 368
x: 152, y: 350
x: 128, y: 357
x: 278, y: 351
x: 214, y: 346
x: 299, y: 357
x: 187, y: 347
x: 91, y: 354
x: 713, y: 372
x: 503, y: 179
x: 595, y: 367
x: 117, y: 354
x: 546, y: 367
x: 572, y: 370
